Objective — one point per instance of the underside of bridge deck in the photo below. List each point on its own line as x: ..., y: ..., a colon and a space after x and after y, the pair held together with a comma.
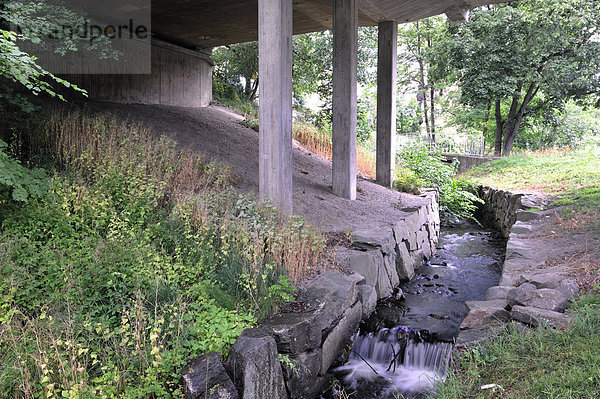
x: 211, y: 23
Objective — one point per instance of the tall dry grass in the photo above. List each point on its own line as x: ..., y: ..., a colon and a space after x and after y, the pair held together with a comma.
x: 199, y: 188
x: 320, y: 143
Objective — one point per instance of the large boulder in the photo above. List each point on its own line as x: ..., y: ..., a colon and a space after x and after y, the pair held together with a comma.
x: 329, y: 296
x: 405, y: 263
x: 206, y: 378
x: 295, y: 332
x: 515, y: 293
x: 302, y: 374
x: 368, y: 299
x: 389, y: 264
x: 497, y: 292
x: 482, y: 317
x: 254, y: 366
x: 367, y: 264
x: 544, y: 298
x: 409, y: 224
x: 534, y: 317
x: 340, y: 336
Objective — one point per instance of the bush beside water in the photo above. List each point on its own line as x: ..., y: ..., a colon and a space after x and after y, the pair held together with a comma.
x: 419, y: 167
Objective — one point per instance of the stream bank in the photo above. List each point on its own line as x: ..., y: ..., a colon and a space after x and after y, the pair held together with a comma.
x: 289, y: 356
x: 404, y: 347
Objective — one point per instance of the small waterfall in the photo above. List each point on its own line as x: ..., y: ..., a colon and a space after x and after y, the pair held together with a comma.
x: 395, y: 356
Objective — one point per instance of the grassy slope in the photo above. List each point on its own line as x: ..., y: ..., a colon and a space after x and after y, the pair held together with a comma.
x: 573, y: 177
x: 544, y: 363
x: 138, y: 258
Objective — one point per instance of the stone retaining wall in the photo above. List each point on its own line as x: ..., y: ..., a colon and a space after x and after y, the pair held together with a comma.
x: 333, y: 305
x: 500, y: 208
x: 529, y: 292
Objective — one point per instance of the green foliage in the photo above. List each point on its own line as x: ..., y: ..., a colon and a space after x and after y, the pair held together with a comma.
x: 20, y: 67
x: 417, y: 167
x: 511, y: 54
x: 232, y: 64
x: 17, y: 182
x: 568, y: 174
x: 137, y: 259
x: 571, y: 127
x: 38, y: 20
x: 407, y: 119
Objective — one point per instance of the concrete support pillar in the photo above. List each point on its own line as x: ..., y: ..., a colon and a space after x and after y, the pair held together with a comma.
x: 275, y: 108
x: 386, y: 101
x: 345, y: 47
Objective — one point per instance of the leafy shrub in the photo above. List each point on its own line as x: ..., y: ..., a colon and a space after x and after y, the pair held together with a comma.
x: 418, y: 166
x: 17, y: 182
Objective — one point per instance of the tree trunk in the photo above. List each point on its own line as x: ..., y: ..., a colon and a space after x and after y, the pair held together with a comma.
x: 254, y: 89
x: 432, y: 108
x: 499, y: 128
x: 422, y: 83
x: 432, y: 95
x: 486, y: 118
x: 511, y: 120
x: 247, y: 87
x: 509, y: 138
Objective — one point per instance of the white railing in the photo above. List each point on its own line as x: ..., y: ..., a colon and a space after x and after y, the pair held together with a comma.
x: 462, y: 145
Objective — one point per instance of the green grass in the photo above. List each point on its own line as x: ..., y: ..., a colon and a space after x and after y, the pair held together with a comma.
x: 543, y: 363
x: 574, y: 178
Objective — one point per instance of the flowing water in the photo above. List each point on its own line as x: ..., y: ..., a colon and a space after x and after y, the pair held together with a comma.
x: 404, y: 347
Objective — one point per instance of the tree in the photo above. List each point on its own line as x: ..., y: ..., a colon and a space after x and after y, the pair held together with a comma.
x: 417, y: 42
x: 513, y: 53
x: 236, y: 62
x: 36, y: 21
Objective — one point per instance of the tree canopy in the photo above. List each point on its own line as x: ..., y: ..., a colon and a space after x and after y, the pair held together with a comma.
x: 515, y: 52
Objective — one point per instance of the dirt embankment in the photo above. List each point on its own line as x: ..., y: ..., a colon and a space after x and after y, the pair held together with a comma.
x: 217, y: 133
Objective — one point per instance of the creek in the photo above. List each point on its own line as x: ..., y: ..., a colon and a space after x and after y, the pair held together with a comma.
x: 403, y: 348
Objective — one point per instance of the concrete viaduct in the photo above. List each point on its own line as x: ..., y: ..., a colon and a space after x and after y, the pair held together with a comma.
x: 184, y: 31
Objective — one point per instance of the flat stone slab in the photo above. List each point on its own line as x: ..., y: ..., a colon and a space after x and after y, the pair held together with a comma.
x: 534, y: 317
x: 494, y: 303
x: 329, y: 296
x: 518, y: 248
x: 474, y: 337
x: 497, y: 292
x: 206, y: 378
x: 521, y: 228
x: 380, y: 238
x: 529, y: 201
x: 295, y: 332
x: 479, y: 318
x: 544, y: 298
x: 543, y: 279
x: 527, y: 216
